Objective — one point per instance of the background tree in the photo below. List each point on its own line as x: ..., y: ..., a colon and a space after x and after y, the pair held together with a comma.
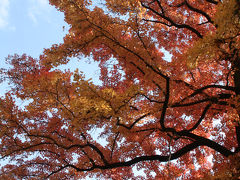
x: 147, y: 110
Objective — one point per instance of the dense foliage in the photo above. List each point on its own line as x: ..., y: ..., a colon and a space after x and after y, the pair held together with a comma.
x: 148, y: 110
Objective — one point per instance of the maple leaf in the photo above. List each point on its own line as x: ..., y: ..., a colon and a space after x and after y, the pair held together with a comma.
x: 146, y: 112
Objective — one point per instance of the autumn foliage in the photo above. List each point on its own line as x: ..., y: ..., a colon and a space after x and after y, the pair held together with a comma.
x: 170, y: 118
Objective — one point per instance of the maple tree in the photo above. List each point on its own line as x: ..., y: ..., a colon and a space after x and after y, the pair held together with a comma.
x: 148, y: 110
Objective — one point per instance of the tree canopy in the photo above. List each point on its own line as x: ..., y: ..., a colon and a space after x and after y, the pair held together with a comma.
x: 171, y: 118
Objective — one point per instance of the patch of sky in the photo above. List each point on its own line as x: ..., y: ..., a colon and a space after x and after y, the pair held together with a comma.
x: 13, y: 161
x: 111, y: 64
x: 138, y: 172
x: 6, y: 161
x: 4, y: 89
x: 216, y: 122
x: 153, y: 174
x: 167, y: 55
x: 187, y: 119
x: 31, y: 121
x: 222, y: 83
x: 97, y: 3
x: 75, y: 158
x: 4, y: 13
x: 122, y: 140
x: 102, y: 4
x: 95, y: 134
x: 89, y: 67
x: 22, y: 137
x: 157, y: 152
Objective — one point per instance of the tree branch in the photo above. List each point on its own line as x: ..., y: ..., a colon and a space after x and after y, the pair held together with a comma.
x: 201, y: 118
x: 179, y: 26
x: 135, y: 122
x: 194, y: 9
x: 207, y: 142
x: 165, y: 104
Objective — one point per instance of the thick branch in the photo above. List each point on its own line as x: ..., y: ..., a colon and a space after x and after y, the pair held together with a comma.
x: 201, y: 118
x: 165, y: 104
x: 54, y: 142
x: 207, y: 142
x: 200, y: 142
x: 237, y: 128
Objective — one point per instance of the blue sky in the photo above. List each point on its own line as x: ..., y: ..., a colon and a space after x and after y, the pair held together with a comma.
x: 29, y: 26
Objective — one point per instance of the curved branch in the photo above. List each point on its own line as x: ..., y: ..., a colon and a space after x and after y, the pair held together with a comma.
x: 54, y: 172
x: 207, y: 142
x: 179, y: 26
x: 54, y: 142
x: 165, y: 104
x: 135, y: 122
x: 199, y: 11
x: 195, y: 10
x: 135, y: 160
x: 200, y: 90
x: 237, y: 129
x: 177, y: 154
x: 201, y: 118
x: 191, y: 103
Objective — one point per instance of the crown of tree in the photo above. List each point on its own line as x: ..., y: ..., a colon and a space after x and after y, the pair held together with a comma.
x: 147, y: 111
